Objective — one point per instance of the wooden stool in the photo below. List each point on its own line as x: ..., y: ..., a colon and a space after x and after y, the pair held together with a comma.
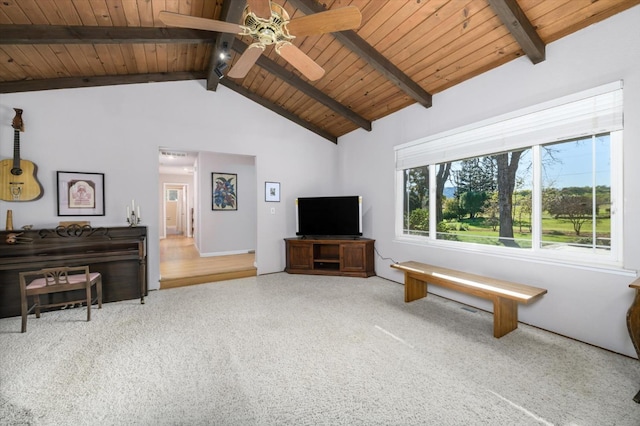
x: 56, y: 280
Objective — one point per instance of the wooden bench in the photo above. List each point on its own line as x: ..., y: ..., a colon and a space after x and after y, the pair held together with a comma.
x: 505, y: 295
x: 633, y: 324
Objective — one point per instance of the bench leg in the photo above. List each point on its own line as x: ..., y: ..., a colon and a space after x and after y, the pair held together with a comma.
x: 505, y: 316
x: 23, y: 309
x: 99, y: 292
x: 637, y: 397
x: 88, y: 291
x: 414, y: 288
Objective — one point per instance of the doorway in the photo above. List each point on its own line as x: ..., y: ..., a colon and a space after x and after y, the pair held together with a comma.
x: 194, y: 242
x: 175, y: 209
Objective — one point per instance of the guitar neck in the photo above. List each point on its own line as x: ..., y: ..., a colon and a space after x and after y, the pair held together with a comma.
x: 16, y: 149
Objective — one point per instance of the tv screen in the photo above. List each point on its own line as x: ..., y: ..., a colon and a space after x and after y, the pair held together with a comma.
x: 329, y: 216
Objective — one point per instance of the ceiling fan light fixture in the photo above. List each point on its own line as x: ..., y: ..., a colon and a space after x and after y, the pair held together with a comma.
x: 268, y: 23
x: 267, y: 31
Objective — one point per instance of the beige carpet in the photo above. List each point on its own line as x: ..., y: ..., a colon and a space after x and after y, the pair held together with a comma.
x: 302, y: 350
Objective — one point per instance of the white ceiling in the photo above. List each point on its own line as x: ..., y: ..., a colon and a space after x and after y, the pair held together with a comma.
x: 176, y: 161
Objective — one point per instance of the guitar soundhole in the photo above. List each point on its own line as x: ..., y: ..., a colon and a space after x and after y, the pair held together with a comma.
x: 16, y: 171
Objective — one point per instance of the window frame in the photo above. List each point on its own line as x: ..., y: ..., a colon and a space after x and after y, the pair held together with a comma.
x: 438, y: 149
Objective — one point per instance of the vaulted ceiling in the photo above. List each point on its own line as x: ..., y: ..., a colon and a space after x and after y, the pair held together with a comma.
x: 402, y: 53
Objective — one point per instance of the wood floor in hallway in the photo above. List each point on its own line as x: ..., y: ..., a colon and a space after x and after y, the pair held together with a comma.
x: 181, y: 264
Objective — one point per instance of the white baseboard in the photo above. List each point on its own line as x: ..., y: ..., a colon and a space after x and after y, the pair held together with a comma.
x: 226, y: 253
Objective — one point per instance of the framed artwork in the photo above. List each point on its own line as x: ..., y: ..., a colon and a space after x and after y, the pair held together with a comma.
x: 225, y: 191
x: 80, y: 194
x: 272, y: 191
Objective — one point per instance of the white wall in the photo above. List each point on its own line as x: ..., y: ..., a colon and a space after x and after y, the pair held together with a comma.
x: 586, y: 305
x: 118, y: 130
x: 232, y: 231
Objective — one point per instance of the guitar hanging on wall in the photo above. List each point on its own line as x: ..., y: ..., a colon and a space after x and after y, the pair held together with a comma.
x: 18, y: 180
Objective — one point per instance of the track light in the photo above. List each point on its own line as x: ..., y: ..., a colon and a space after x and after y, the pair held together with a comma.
x: 219, y: 68
x: 224, y: 52
x: 223, y: 57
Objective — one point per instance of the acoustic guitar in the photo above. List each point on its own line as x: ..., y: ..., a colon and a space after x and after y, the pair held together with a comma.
x: 18, y: 180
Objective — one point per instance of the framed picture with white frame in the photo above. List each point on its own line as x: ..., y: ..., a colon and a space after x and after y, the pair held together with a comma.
x: 272, y: 192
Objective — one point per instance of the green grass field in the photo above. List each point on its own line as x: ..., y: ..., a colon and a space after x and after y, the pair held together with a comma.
x: 553, y: 231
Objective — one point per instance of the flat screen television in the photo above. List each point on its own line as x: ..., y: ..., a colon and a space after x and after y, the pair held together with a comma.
x: 329, y: 216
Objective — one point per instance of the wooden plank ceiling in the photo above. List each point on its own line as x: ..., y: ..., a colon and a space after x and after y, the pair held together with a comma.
x: 403, y: 52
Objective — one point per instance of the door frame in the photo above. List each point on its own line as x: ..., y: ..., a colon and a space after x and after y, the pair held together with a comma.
x: 184, y: 204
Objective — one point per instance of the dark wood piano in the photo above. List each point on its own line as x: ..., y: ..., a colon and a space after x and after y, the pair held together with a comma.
x: 118, y: 253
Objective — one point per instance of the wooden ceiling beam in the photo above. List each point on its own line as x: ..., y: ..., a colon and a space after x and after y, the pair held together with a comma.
x: 520, y: 27
x: 57, y: 34
x: 306, y: 88
x: 278, y: 109
x: 370, y: 55
x: 231, y: 12
x: 103, y: 80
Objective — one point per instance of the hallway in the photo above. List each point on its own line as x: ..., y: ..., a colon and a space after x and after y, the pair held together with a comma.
x: 181, y: 264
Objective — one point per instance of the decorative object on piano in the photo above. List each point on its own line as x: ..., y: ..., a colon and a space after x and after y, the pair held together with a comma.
x: 15, y: 238
x: 18, y: 177
x: 133, y: 215
x: 27, y: 227
x: 224, y: 191
x: 80, y: 194
x: 73, y: 230
x: 66, y: 223
x: 9, y: 226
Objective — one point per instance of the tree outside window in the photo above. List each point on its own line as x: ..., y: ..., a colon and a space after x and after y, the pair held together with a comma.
x: 489, y: 199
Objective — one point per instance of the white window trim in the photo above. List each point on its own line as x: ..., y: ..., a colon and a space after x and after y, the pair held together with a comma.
x: 593, y: 111
x: 515, y: 254
x: 598, y: 110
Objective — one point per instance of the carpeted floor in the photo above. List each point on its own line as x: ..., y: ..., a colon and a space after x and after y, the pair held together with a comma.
x: 302, y: 350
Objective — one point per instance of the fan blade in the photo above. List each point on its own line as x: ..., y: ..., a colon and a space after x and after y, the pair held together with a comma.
x: 196, y: 23
x: 303, y: 63
x: 246, y: 61
x: 345, y: 18
x: 261, y: 8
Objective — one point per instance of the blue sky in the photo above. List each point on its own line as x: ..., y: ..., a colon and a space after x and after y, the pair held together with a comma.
x: 573, y: 163
x: 566, y: 164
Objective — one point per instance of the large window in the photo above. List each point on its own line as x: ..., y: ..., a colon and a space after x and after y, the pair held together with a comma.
x: 542, y: 183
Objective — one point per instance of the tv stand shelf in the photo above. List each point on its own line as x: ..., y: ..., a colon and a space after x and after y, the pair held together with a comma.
x: 330, y: 256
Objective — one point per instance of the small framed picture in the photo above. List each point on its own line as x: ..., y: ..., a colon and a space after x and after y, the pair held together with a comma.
x: 272, y: 192
x: 80, y: 194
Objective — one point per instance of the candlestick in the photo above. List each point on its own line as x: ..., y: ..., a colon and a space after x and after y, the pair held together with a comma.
x: 133, y: 218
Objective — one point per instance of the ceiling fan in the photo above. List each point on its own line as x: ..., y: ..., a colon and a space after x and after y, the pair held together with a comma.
x: 268, y: 23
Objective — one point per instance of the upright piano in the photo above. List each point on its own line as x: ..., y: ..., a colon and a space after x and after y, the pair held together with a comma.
x: 118, y: 253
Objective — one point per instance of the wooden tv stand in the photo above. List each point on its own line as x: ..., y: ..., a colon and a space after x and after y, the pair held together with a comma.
x: 346, y: 257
